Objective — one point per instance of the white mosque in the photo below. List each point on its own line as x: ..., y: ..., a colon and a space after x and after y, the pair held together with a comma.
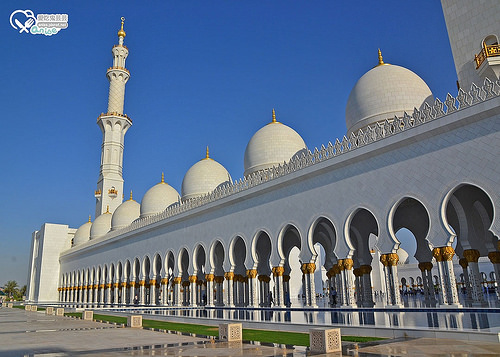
x: 408, y: 160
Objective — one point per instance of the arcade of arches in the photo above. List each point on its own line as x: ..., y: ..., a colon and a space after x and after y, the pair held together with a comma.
x: 215, y: 274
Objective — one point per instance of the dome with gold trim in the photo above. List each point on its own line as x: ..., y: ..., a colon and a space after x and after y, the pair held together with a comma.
x: 82, y: 234
x: 101, y: 225
x: 158, y: 198
x: 125, y: 214
x: 384, y: 92
x: 204, y: 177
x: 272, y: 145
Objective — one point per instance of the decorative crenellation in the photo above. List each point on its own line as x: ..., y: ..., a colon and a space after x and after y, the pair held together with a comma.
x: 373, y: 133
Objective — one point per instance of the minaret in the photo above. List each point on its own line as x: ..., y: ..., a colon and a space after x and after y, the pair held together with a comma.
x: 114, y: 124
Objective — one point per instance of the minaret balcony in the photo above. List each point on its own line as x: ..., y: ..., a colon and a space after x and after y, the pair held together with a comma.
x: 112, y: 193
x: 488, y: 58
x: 97, y: 194
x: 114, y: 114
x: 118, y: 68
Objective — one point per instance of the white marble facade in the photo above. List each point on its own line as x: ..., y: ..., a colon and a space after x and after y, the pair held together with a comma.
x: 423, y: 164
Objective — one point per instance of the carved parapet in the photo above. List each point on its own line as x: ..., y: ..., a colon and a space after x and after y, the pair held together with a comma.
x: 209, y: 277
x: 252, y: 273
x: 494, y: 257
x: 425, y: 266
x: 308, y: 268
x: 278, y: 271
x: 472, y: 255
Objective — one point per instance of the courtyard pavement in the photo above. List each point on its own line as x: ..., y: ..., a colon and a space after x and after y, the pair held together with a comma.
x: 25, y: 333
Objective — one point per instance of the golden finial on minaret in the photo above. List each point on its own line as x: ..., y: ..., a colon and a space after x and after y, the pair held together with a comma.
x: 107, y: 209
x: 130, y: 199
x: 162, y: 178
x: 90, y: 219
x: 380, y: 59
x: 208, y: 154
x: 274, y: 116
x: 122, y: 33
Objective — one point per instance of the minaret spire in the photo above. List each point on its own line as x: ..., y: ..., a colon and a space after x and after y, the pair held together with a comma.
x: 380, y: 59
x: 114, y: 124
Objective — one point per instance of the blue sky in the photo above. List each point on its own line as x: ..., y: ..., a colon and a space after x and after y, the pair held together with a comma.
x: 202, y: 73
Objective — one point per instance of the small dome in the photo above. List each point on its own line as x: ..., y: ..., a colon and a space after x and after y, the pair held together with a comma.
x: 82, y: 234
x: 125, y: 214
x: 101, y: 225
x: 403, y: 256
x: 272, y: 145
x: 158, y: 198
x: 203, y: 177
x: 382, y: 93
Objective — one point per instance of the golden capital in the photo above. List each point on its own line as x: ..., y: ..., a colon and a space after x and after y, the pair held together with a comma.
x: 425, y: 266
x: 116, y: 285
x: 472, y: 255
x: 340, y: 264
x: 436, y: 253
x: 229, y: 275
x: 463, y: 263
x: 132, y: 284
x: 264, y: 278
x: 219, y: 279
x: 348, y: 263
x: 185, y: 284
x: 193, y: 278
x: 447, y: 253
x: 209, y: 277
x: 365, y: 269
x: 392, y: 259
x: 252, y: 273
x: 164, y: 281
x: 152, y: 282
x: 494, y: 257
x: 383, y: 260
x: 308, y: 268
x: 286, y: 278
x: 278, y: 271
x: 142, y: 282
x: 177, y: 280
x: 123, y: 285
x: 356, y: 272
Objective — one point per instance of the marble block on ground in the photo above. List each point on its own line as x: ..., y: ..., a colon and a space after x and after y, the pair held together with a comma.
x: 325, y: 340
x: 27, y: 307
x: 11, y: 305
x: 88, y: 315
x: 230, y: 332
x: 134, y: 321
x: 60, y: 311
x: 49, y: 310
x: 34, y: 308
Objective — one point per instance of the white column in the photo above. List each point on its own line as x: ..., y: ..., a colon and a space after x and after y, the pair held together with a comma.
x: 495, y: 261
x: 278, y: 286
x: 468, y: 289
x: 252, y: 288
x: 349, y: 282
x: 308, y: 270
x: 210, y: 289
x: 193, y: 290
x: 427, y: 283
x: 230, y: 289
x: 177, y: 291
x: 472, y: 257
x: 444, y: 257
x: 367, y: 286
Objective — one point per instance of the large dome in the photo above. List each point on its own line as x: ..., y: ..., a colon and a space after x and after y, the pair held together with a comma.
x: 203, y: 177
x: 272, y: 145
x: 158, y: 198
x: 82, y: 234
x: 125, y: 214
x: 101, y: 225
x: 382, y: 93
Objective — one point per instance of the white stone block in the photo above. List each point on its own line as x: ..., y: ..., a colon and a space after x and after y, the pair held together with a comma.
x: 60, y: 311
x: 88, y: 315
x: 27, y: 307
x: 230, y: 332
x: 134, y: 321
x: 34, y: 308
x: 11, y: 305
x: 324, y: 340
x: 49, y: 310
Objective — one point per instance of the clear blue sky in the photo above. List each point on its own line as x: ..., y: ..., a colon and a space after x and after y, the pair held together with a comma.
x: 202, y: 73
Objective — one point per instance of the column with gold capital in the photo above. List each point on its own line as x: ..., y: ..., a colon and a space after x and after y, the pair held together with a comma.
x: 495, y: 261
x: 308, y: 270
x: 229, y: 276
x: 472, y: 257
x: 279, y: 299
x: 193, y: 279
x: 427, y: 283
x: 252, y: 288
x: 367, y: 292
x: 444, y: 256
x: 350, y: 289
x: 177, y: 291
x: 392, y: 267
x: 210, y: 289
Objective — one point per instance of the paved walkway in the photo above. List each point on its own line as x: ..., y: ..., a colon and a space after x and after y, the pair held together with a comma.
x: 36, y: 334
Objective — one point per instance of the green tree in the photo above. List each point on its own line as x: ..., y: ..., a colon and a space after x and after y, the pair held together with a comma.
x: 10, y: 288
x: 22, y: 291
